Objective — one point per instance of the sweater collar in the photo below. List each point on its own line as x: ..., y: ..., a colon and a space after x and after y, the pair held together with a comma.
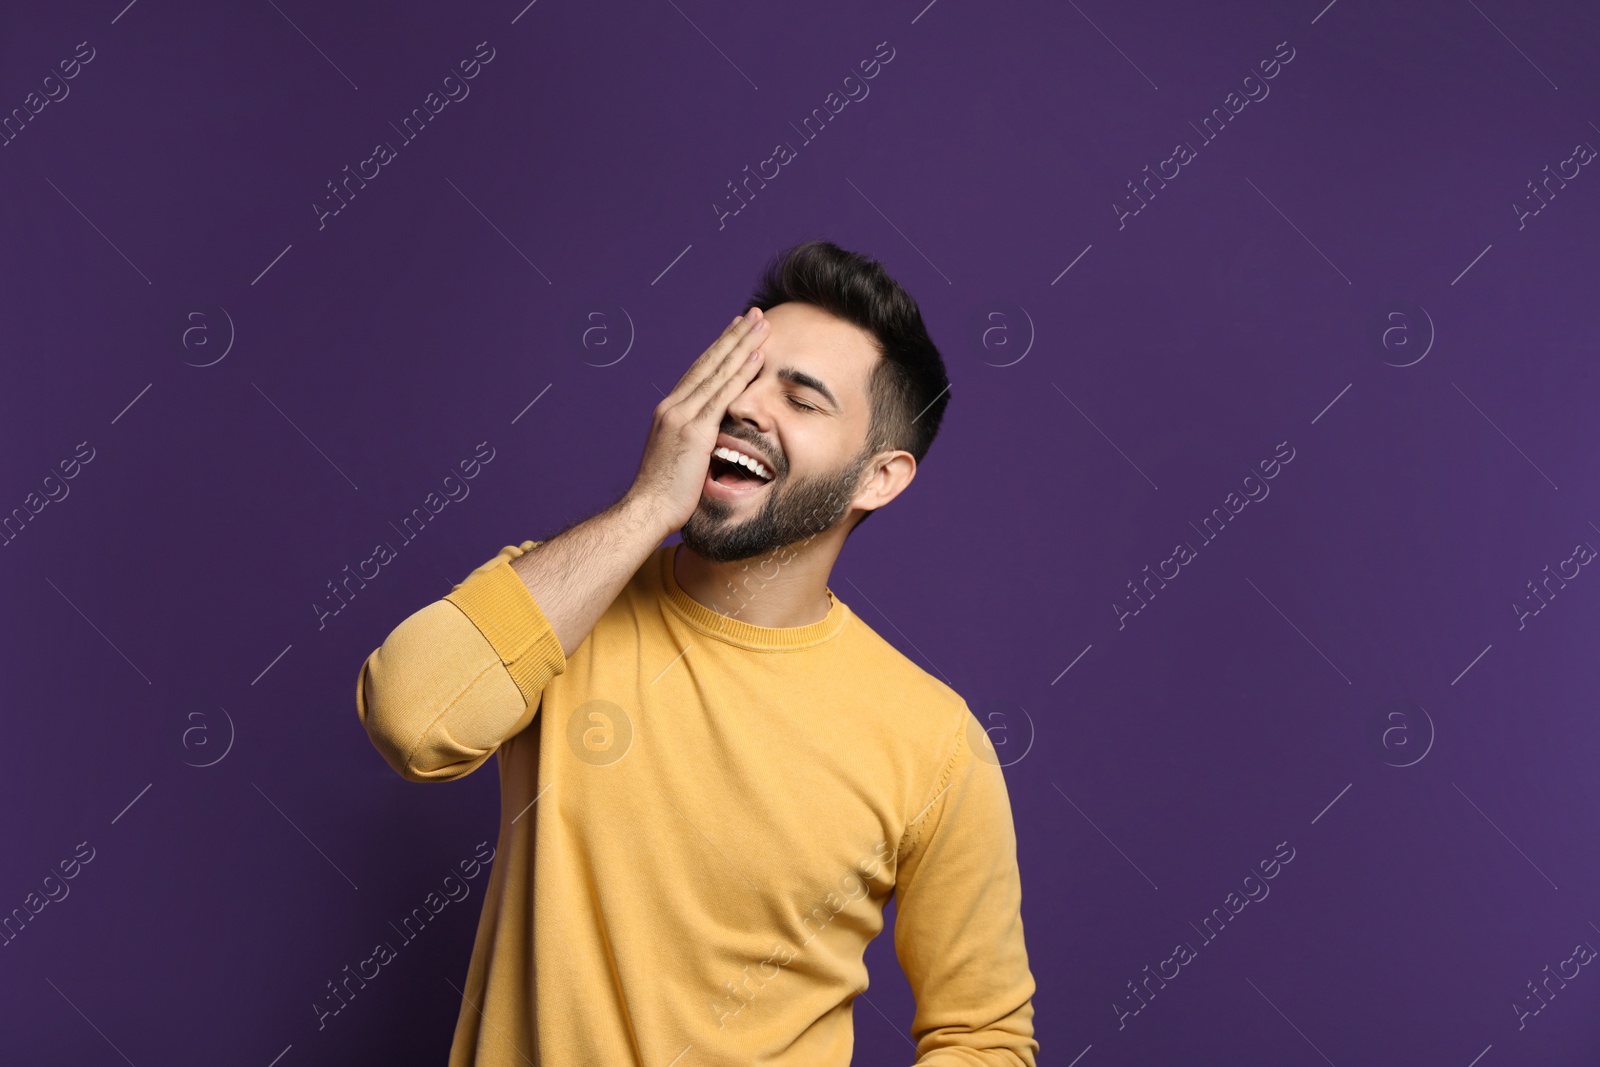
x: 738, y: 632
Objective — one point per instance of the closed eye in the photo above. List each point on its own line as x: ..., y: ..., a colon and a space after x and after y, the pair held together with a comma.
x: 803, y: 407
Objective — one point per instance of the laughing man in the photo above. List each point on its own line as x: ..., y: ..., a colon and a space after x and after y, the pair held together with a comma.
x: 713, y: 774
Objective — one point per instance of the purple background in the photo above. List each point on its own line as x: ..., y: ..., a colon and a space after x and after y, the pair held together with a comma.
x: 552, y: 237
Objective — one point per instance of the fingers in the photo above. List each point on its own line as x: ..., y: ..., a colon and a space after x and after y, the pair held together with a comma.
x: 721, y: 361
x: 746, y: 326
x: 730, y: 366
x: 697, y: 369
x: 740, y: 371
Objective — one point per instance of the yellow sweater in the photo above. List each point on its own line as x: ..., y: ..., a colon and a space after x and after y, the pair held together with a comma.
x: 701, y: 826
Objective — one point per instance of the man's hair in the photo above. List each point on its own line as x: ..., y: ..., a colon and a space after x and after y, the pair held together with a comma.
x: 908, y: 388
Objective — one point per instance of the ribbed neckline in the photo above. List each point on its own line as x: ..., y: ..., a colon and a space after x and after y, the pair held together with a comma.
x: 738, y: 632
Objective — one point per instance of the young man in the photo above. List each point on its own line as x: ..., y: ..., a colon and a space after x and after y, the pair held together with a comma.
x: 714, y: 774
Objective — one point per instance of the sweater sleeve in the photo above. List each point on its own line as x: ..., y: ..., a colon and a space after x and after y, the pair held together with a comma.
x: 958, y: 919
x: 461, y: 675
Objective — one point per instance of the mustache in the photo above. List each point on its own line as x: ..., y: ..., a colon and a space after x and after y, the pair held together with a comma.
x: 772, y: 455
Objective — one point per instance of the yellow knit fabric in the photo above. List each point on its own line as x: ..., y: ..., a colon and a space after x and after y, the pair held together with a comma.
x: 701, y: 822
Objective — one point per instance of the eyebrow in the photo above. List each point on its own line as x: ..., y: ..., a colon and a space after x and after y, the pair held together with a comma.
x: 801, y: 378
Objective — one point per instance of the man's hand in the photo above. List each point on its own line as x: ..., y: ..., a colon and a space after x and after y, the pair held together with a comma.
x: 677, y: 455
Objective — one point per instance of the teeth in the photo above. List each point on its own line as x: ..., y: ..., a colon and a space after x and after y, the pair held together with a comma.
x: 743, y: 460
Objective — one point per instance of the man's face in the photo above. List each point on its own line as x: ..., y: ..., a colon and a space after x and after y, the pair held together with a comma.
x: 804, y: 418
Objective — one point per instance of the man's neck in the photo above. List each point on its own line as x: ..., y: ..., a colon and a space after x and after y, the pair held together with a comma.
x: 784, y: 588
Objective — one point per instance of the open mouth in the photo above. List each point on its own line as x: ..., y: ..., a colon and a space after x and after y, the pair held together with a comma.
x: 741, y: 475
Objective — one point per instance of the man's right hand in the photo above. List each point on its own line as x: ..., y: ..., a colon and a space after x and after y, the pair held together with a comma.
x: 576, y: 574
x: 677, y: 455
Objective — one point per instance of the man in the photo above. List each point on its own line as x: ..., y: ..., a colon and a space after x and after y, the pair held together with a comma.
x: 713, y: 774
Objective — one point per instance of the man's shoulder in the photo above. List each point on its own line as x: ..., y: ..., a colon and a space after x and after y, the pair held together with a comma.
x: 923, y: 700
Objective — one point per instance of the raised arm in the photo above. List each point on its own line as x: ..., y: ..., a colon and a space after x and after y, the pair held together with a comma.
x: 459, y: 676
x: 462, y: 674
x: 438, y: 696
x: 958, y: 920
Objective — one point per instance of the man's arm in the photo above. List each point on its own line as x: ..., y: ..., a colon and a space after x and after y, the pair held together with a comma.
x: 459, y: 676
x: 576, y: 575
x: 462, y: 674
x: 958, y: 920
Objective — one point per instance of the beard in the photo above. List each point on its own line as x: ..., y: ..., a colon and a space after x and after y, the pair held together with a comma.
x: 792, y: 512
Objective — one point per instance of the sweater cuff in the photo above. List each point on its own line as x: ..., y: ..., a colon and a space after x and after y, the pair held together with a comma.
x: 504, y: 611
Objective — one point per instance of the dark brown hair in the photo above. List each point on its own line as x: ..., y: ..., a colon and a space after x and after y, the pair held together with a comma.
x: 908, y: 387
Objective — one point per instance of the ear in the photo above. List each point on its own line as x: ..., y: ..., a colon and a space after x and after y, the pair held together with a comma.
x: 883, y: 479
